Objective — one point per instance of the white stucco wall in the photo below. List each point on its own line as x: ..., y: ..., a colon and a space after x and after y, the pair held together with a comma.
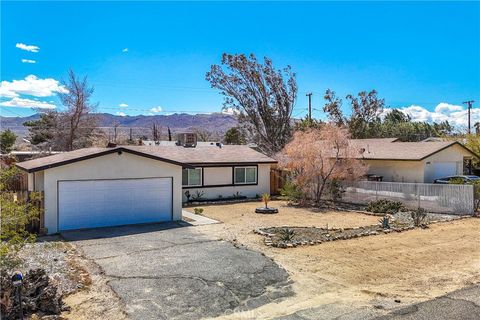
x: 420, y: 171
x: 250, y: 191
x: 397, y: 171
x: 112, y: 166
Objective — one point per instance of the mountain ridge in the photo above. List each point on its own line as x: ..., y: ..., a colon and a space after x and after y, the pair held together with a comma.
x: 217, y: 123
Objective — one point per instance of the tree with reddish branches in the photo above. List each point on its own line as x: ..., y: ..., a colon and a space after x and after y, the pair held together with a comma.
x: 318, y: 157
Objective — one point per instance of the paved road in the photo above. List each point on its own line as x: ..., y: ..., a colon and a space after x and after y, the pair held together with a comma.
x: 463, y: 304
x: 171, y: 271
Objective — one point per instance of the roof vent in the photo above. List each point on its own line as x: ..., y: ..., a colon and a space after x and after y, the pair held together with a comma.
x: 187, y: 140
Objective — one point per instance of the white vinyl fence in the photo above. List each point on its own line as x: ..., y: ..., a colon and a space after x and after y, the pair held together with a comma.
x: 441, y: 198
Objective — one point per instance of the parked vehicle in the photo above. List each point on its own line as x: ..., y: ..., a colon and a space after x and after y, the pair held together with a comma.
x: 458, y: 179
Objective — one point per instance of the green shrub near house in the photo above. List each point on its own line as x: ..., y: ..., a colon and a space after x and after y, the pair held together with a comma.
x: 385, y: 206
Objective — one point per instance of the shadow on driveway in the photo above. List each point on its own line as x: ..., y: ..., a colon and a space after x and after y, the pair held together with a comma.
x: 119, y: 231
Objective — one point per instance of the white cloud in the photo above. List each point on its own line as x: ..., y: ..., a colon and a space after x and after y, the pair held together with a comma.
x: 32, y: 86
x: 156, y: 109
x: 121, y: 114
x: 30, y: 48
x: 27, y: 103
x: 230, y: 111
x: 125, y: 50
x: 28, y: 61
x: 123, y: 105
x: 455, y: 114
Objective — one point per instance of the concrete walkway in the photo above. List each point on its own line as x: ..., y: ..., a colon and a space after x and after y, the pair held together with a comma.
x: 196, y: 219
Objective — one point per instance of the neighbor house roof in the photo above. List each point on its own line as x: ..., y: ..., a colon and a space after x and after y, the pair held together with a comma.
x: 186, y: 157
x: 391, y: 149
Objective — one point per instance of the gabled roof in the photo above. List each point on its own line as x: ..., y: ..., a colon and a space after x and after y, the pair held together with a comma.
x: 390, y: 149
x: 185, y: 157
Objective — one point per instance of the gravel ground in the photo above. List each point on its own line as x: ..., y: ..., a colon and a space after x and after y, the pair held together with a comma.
x: 56, y: 257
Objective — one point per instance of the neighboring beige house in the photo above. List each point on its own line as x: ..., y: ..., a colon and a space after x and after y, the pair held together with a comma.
x: 97, y: 187
x: 421, y: 162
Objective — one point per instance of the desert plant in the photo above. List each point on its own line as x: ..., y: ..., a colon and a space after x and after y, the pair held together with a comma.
x: 418, y: 216
x: 291, y: 192
x: 385, y: 206
x: 286, y: 234
x: 198, y: 211
x: 16, y: 215
x: 385, y: 222
x: 237, y: 195
x: 198, y: 195
x: 265, y: 199
x: 335, y: 190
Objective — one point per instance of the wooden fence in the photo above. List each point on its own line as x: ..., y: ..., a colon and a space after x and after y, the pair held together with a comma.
x: 277, y: 180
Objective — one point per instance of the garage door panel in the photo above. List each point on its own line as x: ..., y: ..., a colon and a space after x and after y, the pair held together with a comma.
x: 100, y: 203
x: 444, y: 169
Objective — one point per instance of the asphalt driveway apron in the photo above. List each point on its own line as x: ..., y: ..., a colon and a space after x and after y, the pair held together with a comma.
x: 172, y: 271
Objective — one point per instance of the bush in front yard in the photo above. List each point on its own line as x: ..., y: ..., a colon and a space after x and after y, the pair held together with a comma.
x: 385, y: 206
x: 291, y: 192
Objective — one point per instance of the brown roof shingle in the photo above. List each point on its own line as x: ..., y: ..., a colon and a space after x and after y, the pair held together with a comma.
x: 201, y: 155
x: 389, y: 149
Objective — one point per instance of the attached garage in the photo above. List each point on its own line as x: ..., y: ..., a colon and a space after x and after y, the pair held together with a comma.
x: 444, y: 169
x: 113, y: 202
x: 103, y: 187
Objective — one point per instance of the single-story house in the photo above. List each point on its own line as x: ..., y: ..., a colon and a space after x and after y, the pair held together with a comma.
x: 420, y: 162
x: 96, y: 187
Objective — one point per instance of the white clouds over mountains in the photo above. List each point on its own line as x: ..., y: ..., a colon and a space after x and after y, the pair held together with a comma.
x: 31, y: 86
x: 29, y: 48
x: 455, y: 114
x: 156, y: 109
x: 27, y: 103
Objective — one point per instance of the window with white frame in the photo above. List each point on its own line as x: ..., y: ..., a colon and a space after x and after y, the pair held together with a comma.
x: 192, y: 177
x: 245, y: 175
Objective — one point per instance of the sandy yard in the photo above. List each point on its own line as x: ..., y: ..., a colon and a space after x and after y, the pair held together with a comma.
x: 410, y: 266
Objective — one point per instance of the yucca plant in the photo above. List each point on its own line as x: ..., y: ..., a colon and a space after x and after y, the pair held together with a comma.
x: 265, y: 199
x: 385, y: 222
x: 286, y: 234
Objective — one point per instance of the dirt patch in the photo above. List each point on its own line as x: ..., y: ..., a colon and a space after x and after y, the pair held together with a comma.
x: 240, y: 219
x: 97, y: 301
x: 410, y: 266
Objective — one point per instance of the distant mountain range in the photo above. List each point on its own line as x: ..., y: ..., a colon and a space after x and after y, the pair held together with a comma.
x: 215, y: 123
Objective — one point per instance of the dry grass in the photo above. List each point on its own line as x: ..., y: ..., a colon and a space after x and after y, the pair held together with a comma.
x: 411, y: 266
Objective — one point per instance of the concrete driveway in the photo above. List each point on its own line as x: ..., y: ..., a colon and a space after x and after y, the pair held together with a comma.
x: 173, y: 271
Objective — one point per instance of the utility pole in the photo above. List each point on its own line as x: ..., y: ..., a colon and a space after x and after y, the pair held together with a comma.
x: 469, y: 104
x: 309, y: 95
x: 469, y: 108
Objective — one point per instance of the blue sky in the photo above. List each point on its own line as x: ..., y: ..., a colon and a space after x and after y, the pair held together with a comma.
x: 415, y: 55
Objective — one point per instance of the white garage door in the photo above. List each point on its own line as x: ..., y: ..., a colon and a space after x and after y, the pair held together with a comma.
x: 444, y: 169
x: 101, y: 203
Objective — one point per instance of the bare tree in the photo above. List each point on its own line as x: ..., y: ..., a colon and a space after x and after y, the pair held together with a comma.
x: 75, y: 122
x: 261, y: 94
x: 156, y: 132
x: 317, y: 157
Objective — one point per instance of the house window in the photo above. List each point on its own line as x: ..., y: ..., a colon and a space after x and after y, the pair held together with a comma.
x: 245, y: 175
x: 192, y: 177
